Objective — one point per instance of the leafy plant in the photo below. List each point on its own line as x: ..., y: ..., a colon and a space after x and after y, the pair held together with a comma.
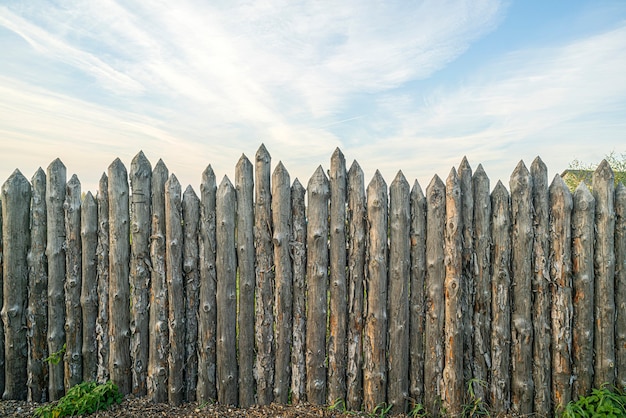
x: 381, y: 410
x: 338, y: 405
x: 56, y: 357
x: 601, y: 402
x: 475, y: 406
x: 84, y: 398
x: 418, y: 411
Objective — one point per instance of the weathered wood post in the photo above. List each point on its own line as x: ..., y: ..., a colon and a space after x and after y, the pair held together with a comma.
x: 604, y: 272
x: 522, y: 388
x: 542, y: 335
x: 417, y: 301
x: 15, y: 220
x: 37, y: 317
x: 338, y: 296
x: 375, y: 331
x: 582, y: 281
x: 620, y: 284
x: 102, y: 255
x: 140, y: 219
x: 435, y: 274
x: 264, y: 295
x: 283, y: 305
x: 501, y: 301
x: 119, y: 288
x: 2, y: 374
x: 55, y: 251
x: 356, y: 273
x: 207, y: 313
x: 561, y: 276
x: 298, y: 257
x: 398, y: 294
x: 159, y: 329
x: 244, y: 186
x: 175, y: 289
x: 89, y: 291
x: 226, y: 266
x: 317, y: 278
x: 191, y: 220
x: 452, y: 393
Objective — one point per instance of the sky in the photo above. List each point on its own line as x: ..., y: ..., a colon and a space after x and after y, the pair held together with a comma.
x: 396, y: 85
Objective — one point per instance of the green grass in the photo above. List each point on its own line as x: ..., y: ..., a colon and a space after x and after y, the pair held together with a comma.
x: 84, y: 398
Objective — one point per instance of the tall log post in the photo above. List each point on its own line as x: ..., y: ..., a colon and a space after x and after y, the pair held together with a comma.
x: 522, y: 388
x: 55, y: 251
x: 561, y: 276
x: 226, y: 266
x: 542, y: 333
x: 264, y: 295
x: 620, y: 284
x: 140, y: 219
x: 2, y: 347
x: 207, y: 313
x: 16, y: 195
x: 102, y: 256
x: 398, y: 294
x: 244, y: 186
x: 501, y: 300
x: 582, y: 281
x: 356, y: 273
x: 37, y: 316
x: 317, y: 278
x: 298, y: 257
x: 89, y: 291
x: 119, y: 270
x: 604, y: 272
x: 435, y: 275
x: 191, y: 220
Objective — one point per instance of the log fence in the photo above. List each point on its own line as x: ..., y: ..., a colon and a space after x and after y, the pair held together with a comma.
x: 266, y: 291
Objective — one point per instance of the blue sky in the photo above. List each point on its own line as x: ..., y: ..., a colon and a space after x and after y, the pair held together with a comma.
x: 410, y: 85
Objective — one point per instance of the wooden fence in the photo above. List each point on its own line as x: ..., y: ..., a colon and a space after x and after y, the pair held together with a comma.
x: 246, y: 295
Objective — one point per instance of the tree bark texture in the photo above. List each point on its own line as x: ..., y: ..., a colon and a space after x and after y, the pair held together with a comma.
x: 102, y: 257
x: 620, y: 283
x: 89, y: 291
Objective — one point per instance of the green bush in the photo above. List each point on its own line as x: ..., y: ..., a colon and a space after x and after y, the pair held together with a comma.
x: 601, y: 403
x: 84, y: 398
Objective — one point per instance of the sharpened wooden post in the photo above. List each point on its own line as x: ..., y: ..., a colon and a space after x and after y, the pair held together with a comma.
x: 501, y: 300
x: 102, y: 255
x: 582, y: 281
x: 89, y: 291
x: 226, y: 266
x: 16, y: 194
x: 620, y: 284
x: 317, y: 279
x: 398, y: 294
x: 207, y: 313
x: 244, y: 186
x: 434, y: 315
x: 37, y: 316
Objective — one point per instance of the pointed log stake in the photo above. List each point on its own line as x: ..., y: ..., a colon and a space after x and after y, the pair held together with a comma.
x: 15, y: 209
x: 317, y: 279
x: 620, y: 283
x: 89, y: 291
x: 102, y: 256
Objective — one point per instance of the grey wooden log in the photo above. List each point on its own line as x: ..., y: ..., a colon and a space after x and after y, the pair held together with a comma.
x: 501, y: 300
x: 175, y: 290
x: 89, y: 290
x: 604, y: 273
x: 398, y: 294
x: 55, y: 252
x: 522, y: 387
x: 542, y: 333
x: 2, y: 347
x: 561, y: 277
x: 159, y: 329
x: 620, y: 284
x: 337, y: 355
x: 207, y: 313
x: 191, y: 220
x: 317, y: 287
x: 298, y: 257
x: 102, y: 256
x: 119, y: 270
x: 417, y: 301
x: 452, y: 393
x: 434, y: 315
x: 37, y: 316
x: 356, y: 272
x: 582, y: 282
x: 283, y: 305
x: 375, y: 331
x: 264, y: 295
x: 244, y: 186
x: 226, y: 266
x: 140, y: 219
x: 73, y: 286
x: 16, y: 195
x: 481, y: 321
